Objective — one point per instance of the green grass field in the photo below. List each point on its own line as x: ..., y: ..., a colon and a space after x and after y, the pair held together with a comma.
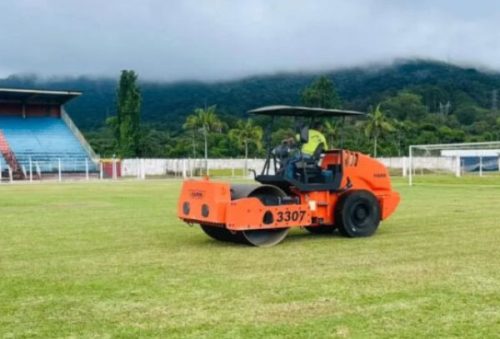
x: 112, y: 260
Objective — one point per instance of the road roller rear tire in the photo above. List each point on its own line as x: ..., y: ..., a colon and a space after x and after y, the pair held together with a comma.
x: 357, y: 214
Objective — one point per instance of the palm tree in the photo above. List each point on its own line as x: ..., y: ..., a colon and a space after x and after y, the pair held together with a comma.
x: 376, y: 126
x: 192, y: 125
x: 331, y: 132
x: 399, y: 126
x: 246, y: 132
x: 204, y: 120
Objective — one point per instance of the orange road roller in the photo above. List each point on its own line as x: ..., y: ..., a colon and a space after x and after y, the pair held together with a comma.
x: 321, y: 192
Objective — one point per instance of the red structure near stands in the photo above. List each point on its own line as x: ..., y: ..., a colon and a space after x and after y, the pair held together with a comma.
x: 9, y: 156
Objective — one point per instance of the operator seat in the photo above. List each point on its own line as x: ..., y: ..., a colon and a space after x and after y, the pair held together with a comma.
x: 309, y: 168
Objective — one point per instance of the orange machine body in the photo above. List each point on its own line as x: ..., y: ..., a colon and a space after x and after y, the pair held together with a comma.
x: 210, y: 202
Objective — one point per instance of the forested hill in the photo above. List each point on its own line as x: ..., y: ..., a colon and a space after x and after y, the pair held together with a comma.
x: 469, y: 92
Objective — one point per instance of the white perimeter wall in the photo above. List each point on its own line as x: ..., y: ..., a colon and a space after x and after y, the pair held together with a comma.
x: 132, y: 167
x: 430, y: 163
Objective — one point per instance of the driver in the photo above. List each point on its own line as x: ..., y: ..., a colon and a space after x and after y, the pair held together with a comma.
x: 316, y: 138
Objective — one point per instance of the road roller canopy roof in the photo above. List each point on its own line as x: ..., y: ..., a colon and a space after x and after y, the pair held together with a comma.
x: 300, y: 111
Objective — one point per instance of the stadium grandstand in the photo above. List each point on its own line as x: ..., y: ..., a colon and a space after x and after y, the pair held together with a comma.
x: 37, y: 136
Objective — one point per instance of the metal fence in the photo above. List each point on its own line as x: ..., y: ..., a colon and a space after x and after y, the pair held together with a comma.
x: 142, y: 168
x: 54, y: 169
x: 85, y: 169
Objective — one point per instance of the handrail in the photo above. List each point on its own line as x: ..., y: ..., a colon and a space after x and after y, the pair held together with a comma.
x: 86, y: 146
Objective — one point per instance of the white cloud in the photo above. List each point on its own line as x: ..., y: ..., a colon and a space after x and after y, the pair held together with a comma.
x: 216, y: 39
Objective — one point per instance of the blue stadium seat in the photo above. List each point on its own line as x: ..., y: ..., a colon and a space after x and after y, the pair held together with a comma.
x: 45, y: 141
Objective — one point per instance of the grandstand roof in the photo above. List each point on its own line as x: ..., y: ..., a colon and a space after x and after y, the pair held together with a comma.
x: 33, y: 96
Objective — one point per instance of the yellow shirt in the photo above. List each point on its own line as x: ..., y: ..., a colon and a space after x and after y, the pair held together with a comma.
x: 315, y: 138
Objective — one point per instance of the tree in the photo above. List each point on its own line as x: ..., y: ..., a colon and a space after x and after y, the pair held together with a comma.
x: 127, y: 123
x: 405, y: 105
x: 154, y: 142
x: 399, y: 127
x: 192, y: 124
x: 204, y: 121
x: 321, y: 93
x: 246, y: 133
x: 376, y: 126
x: 331, y: 132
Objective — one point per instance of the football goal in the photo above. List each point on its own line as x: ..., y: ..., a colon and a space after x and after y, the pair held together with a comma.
x: 460, y: 159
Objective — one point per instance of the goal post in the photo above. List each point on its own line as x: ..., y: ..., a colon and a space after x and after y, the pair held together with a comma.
x: 457, y: 159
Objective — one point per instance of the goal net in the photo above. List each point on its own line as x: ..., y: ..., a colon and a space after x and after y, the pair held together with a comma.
x: 453, y: 160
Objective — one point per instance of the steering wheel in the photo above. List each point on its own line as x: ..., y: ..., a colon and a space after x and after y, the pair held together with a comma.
x: 283, y: 152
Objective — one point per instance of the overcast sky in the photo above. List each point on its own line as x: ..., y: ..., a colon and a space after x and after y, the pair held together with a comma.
x: 222, y: 39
